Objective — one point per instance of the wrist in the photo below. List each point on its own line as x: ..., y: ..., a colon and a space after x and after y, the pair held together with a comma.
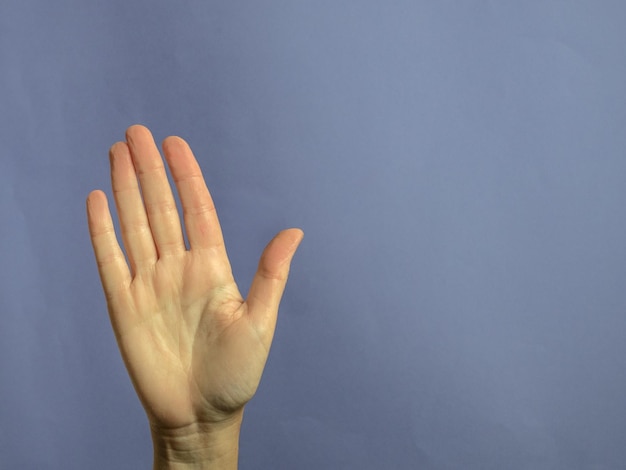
x: 200, y: 446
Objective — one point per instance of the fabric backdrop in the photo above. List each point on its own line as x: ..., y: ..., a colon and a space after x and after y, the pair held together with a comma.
x: 458, y: 168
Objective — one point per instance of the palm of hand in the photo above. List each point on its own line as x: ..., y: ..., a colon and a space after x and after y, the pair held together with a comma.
x: 195, y: 350
x: 193, y: 355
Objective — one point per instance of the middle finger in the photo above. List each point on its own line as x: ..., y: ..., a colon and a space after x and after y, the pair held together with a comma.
x: 157, y: 194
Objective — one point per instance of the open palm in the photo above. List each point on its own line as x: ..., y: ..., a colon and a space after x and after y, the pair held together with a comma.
x: 194, y: 348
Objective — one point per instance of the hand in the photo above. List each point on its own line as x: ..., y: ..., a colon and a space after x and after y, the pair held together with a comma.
x: 194, y: 348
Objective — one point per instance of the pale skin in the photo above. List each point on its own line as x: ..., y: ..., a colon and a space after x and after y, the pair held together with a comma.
x: 195, y: 349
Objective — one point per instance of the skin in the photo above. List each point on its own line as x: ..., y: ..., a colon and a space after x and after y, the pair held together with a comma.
x: 194, y: 348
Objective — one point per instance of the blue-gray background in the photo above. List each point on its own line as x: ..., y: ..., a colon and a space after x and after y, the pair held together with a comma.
x: 459, y: 169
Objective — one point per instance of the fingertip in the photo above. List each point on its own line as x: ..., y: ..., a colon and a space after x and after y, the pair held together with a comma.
x: 135, y: 131
x: 136, y: 128
x: 300, y: 233
x: 116, y: 150
x: 278, y: 253
x: 95, y: 195
x: 296, y: 235
x: 117, y: 146
x: 96, y: 202
x: 173, y: 141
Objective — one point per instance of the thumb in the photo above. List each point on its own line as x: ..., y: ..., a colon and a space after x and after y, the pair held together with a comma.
x: 270, y: 279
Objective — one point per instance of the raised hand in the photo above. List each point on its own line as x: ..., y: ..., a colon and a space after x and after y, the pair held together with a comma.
x: 194, y: 348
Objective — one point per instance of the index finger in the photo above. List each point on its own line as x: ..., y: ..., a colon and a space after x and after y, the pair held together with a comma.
x: 201, y: 221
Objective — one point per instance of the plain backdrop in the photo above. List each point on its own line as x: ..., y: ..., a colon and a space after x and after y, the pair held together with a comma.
x: 458, y: 167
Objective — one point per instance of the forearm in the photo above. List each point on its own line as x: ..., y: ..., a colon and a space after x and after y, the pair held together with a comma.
x: 198, y: 447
